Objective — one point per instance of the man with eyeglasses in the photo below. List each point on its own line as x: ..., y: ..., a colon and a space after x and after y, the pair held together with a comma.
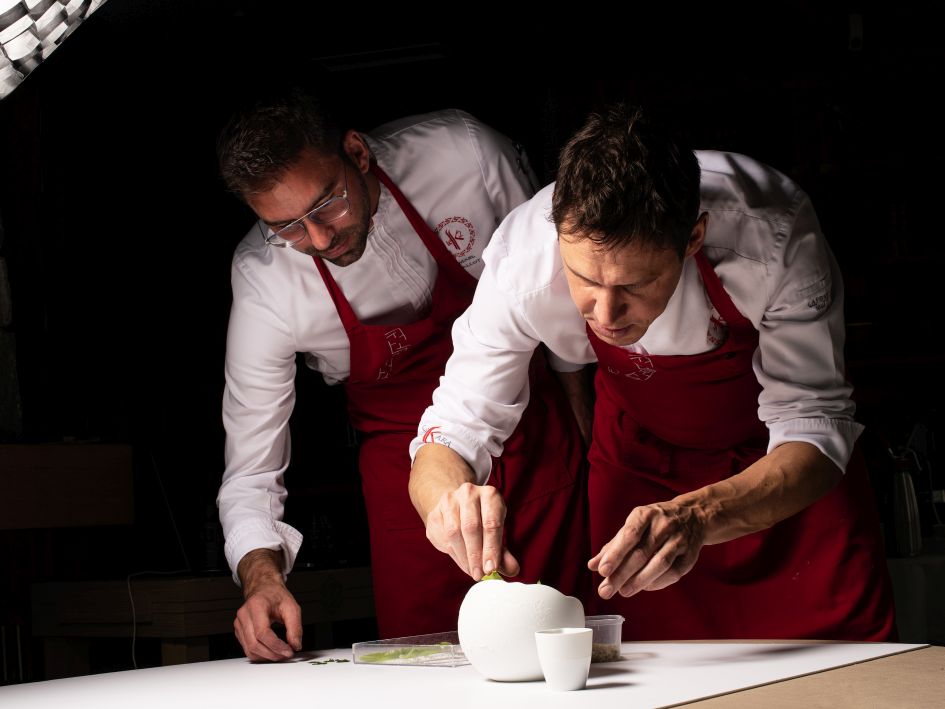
x: 367, y: 248
x: 724, y: 484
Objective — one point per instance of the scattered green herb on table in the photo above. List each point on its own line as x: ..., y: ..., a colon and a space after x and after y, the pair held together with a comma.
x: 325, y: 662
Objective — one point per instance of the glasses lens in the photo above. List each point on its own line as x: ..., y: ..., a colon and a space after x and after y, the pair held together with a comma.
x: 333, y: 209
x: 286, y: 236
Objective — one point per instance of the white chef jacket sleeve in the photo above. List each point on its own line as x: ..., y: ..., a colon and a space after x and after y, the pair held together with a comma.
x: 484, y: 389
x: 257, y: 402
x: 799, y: 361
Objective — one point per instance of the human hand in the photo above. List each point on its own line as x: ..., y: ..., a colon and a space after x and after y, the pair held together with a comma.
x: 466, y: 523
x: 267, y: 600
x: 657, y: 545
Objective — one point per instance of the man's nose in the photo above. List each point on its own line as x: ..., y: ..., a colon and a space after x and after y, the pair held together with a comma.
x: 609, y: 309
x: 320, y: 235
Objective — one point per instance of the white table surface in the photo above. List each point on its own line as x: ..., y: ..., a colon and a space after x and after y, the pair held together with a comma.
x: 650, y: 675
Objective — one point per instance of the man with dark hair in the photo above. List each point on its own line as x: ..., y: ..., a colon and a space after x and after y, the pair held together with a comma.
x: 367, y: 248
x: 703, y: 290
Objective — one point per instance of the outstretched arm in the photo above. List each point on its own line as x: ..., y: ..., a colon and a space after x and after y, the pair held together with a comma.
x: 660, y: 543
x: 463, y: 519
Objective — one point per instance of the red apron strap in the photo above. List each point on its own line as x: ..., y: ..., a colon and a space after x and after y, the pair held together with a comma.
x: 717, y: 293
x: 345, y: 311
x: 441, y: 255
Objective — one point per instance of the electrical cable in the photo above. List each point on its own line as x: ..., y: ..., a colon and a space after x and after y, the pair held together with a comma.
x: 183, y: 551
x: 170, y: 513
x: 131, y: 599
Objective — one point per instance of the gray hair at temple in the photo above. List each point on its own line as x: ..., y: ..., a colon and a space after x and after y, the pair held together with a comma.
x: 259, y: 143
x: 624, y: 179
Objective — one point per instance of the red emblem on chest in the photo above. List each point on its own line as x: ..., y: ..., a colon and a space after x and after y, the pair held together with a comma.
x: 458, y: 234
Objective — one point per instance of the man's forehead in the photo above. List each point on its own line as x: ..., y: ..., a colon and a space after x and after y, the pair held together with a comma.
x: 596, y: 247
x: 633, y: 262
x: 269, y: 170
x: 302, y: 186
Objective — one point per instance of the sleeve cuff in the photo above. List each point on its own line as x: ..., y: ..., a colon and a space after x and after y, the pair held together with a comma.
x: 263, y: 534
x: 466, y: 447
x: 833, y: 437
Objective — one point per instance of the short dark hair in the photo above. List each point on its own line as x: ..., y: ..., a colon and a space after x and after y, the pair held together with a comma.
x: 262, y: 140
x: 622, y: 179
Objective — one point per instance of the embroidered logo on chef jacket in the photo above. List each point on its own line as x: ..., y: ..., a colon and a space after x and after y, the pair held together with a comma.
x: 397, y: 343
x: 818, y: 294
x: 459, y: 236
x: 819, y: 302
x: 431, y: 434
x: 642, y: 368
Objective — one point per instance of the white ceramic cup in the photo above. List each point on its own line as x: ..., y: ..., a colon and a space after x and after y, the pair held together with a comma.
x: 565, y: 656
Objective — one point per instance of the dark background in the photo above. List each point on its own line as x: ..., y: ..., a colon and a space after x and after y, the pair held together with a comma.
x: 118, y: 233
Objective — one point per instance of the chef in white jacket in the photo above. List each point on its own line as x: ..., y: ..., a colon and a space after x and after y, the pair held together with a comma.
x: 702, y: 287
x: 367, y: 248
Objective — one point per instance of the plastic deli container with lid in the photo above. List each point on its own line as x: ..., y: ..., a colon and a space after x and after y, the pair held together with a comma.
x: 605, y: 643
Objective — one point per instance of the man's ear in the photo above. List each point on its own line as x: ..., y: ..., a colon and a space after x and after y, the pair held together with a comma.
x: 697, y: 237
x: 356, y: 150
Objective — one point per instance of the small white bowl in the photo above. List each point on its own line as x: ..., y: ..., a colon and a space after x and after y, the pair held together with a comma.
x: 565, y: 656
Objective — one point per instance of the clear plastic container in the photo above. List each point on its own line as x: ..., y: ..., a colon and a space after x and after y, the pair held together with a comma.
x: 435, y: 650
x: 605, y: 643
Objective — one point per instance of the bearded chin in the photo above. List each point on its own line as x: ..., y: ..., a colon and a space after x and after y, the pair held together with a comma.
x: 355, y: 235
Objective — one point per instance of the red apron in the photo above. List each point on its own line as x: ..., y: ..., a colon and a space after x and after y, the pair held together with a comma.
x: 394, y: 370
x: 666, y: 425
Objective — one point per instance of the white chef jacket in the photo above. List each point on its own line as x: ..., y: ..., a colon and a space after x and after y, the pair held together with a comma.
x: 463, y: 178
x: 764, y: 241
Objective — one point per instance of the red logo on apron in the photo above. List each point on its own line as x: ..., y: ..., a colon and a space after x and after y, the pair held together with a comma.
x: 718, y: 329
x: 397, y: 342
x: 642, y: 370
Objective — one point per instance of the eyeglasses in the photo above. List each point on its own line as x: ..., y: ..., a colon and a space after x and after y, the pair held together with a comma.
x: 332, y: 209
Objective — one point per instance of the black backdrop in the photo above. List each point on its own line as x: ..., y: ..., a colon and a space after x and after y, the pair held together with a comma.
x: 118, y: 233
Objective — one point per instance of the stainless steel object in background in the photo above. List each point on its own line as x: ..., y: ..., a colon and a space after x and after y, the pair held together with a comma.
x: 908, y: 531
x: 30, y: 30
